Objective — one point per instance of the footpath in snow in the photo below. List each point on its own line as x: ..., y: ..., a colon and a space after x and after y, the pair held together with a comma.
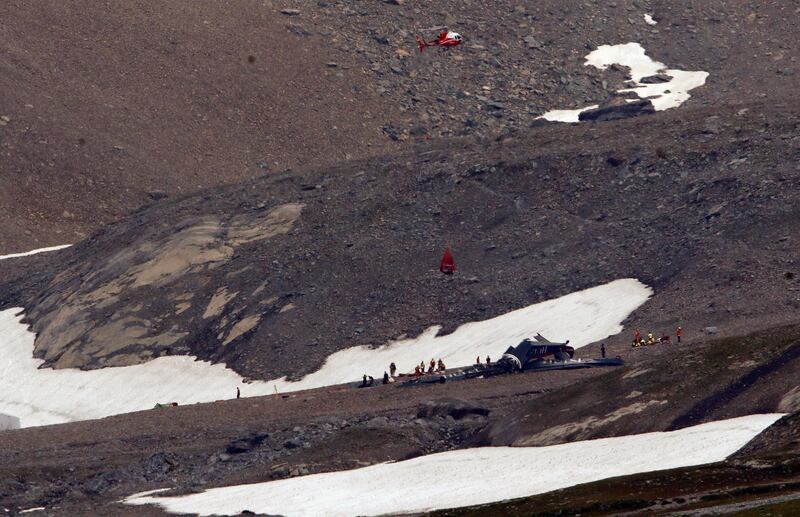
x: 470, y: 476
x: 46, y: 396
x: 663, y: 95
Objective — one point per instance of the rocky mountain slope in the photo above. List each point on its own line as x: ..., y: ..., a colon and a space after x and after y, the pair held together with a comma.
x: 262, y: 184
x: 273, y: 275
x: 87, y: 466
x: 106, y: 104
x: 669, y: 387
x: 103, y: 105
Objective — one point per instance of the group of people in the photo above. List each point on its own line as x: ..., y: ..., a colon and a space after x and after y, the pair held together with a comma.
x: 419, y: 370
x: 488, y: 360
x: 665, y: 339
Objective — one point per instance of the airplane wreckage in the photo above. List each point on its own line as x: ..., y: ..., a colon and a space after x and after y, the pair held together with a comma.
x: 529, y: 355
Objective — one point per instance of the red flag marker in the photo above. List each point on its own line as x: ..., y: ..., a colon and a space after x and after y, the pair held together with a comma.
x: 448, y: 264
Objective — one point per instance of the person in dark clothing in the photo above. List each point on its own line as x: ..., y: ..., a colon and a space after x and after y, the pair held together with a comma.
x: 238, y: 393
x: 366, y: 383
x: 488, y: 361
x: 385, y: 378
x: 603, y: 350
x: 392, y: 369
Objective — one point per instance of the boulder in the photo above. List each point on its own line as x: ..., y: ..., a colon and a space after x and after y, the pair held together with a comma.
x: 618, y: 110
x: 158, y: 464
x: 246, y: 443
x: 294, y: 443
x: 456, y: 408
x: 655, y: 79
x: 155, y: 195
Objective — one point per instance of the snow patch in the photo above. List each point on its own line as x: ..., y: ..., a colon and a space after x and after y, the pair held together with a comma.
x: 566, y: 115
x: 148, y: 492
x: 46, y: 396
x: 648, y: 19
x: 471, y: 476
x: 663, y: 95
x: 582, y: 317
x: 42, y: 396
x: 34, y: 252
x: 8, y: 422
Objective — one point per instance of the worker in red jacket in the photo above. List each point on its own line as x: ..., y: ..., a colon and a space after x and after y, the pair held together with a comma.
x: 448, y: 264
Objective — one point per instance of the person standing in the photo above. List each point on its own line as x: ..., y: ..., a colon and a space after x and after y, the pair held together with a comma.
x: 679, y: 334
x: 392, y: 369
x: 238, y: 393
x: 603, y: 350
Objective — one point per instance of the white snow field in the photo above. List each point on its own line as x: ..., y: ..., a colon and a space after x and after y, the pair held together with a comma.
x: 471, y: 476
x: 582, y: 317
x: 664, y: 96
x: 8, y: 422
x: 567, y: 115
x: 46, y: 396
x: 34, y: 252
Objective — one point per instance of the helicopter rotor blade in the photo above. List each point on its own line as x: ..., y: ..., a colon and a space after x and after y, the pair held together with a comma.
x: 439, y: 28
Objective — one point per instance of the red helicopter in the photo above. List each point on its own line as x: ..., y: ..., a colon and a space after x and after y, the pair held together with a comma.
x: 447, y: 38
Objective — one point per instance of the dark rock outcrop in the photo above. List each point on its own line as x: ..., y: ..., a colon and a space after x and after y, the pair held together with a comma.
x: 246, y: 443
x: 452, y: 407
x: 655, y: 79
x: 618, y: 110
